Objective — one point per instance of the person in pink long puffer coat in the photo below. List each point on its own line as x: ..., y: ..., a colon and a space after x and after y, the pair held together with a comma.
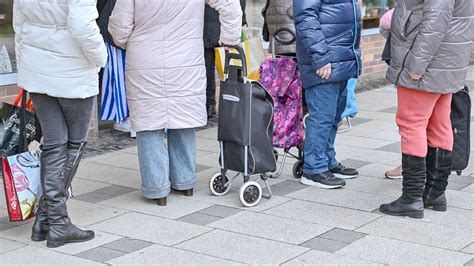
x: 166, y: 82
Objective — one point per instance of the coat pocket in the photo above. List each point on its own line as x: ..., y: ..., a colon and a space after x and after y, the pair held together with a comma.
x: 412, y: 23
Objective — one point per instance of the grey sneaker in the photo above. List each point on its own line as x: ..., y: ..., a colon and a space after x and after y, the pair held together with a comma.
x: 324, y: 180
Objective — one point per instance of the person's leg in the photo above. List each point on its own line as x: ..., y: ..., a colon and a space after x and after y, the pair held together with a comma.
x: 54, y: 129
x: 154, y: 164
x: 54, y: 158
x: 439, y: 159
x: 335, y: 167
x: 182, y: 158
x: 78, y: 114
x: 322, y: 104
x: 210, y: 57
x: 414, y: 112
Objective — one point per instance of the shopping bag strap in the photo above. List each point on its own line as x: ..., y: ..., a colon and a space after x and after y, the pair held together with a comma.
x: 21, y: 94
x: 23, y: 143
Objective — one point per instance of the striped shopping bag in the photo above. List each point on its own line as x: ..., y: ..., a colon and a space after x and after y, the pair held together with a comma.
x: 114, y: 98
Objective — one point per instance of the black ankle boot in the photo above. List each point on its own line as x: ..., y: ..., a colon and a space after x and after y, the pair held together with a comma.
x: 410, y: 203
x: 162, y: 202
x: 61, y: 230
x: 41, y: 225
x: 438, y: 169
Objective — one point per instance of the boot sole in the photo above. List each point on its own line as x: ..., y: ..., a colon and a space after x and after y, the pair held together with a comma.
x: 308, y: 182
x: 413, y: 214
x: 57, y: 244
x: 438, y: 208
x: 38, y: 237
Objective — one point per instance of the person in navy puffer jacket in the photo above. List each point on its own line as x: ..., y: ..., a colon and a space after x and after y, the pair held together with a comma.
x: 328, y: 38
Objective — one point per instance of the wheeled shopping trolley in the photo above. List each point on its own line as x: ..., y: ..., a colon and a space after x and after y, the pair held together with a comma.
x: 245, y: 127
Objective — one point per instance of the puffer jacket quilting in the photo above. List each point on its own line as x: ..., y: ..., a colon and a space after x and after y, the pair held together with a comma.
x: 327, y: 32
x: 432, y: 39
x: 279, y: 14
x: 165, y: 69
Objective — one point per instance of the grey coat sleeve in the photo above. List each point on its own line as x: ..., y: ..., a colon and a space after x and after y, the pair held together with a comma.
x: 434, y: 25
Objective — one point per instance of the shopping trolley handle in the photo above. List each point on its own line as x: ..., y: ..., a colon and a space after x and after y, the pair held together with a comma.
x: 240, y: 55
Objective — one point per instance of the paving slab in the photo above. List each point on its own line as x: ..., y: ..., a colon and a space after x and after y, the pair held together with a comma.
x: 82, y: 186
x: 460, y: 199
x: 469, y: 188
x: 455, y: 217
x: 30, y: 255
x: 7, y: 245
x: 343, y: 235
x: 150, y: 228
x: 323, y: 214
x: 163, y: 255
x: 242, y: 248
x: 220, y: 211
x: 128, y: 245
x: 110, y: 175
x: 361, y: 142
x: 271, y: 227
x: 396, y: 252
x: 119, y: 159
x: 325, y: 258
x: 376, y: 170
x: 101, y: 254
x: 324, y: 244
x: 342, y: 198
x: 394, y: 147
x: 199, y: 218
x: 85, y: 213
x: 354, y: 163
x: 381, y: 186
x: 23, y: 233
x: 177, y: 207
x: 469, y: 249
x: 420, y: 232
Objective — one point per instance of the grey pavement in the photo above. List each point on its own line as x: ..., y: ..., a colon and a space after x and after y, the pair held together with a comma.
x: 299, y: 225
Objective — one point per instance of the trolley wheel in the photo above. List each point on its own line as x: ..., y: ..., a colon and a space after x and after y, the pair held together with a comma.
x: 250, y: 194
x: 275, y: 153
x: 217, y: 184
x: 298, y: 169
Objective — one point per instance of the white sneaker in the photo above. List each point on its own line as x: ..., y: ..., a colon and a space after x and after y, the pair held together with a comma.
x: 125, y: 126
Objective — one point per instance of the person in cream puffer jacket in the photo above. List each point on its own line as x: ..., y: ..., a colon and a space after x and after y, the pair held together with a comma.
x: 59, y: 51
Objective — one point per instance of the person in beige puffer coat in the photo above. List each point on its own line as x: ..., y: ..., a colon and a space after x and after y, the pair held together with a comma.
x: 166, y: 82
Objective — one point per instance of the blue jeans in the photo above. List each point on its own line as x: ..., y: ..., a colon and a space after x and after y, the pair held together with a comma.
x: 326, y: 103
x: 164, y: 167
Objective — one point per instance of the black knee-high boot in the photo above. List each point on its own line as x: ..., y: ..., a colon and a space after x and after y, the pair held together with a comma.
x: 74, y: 155
x: 438, y: 169
x: 410, y: 203
x: 61, y: 230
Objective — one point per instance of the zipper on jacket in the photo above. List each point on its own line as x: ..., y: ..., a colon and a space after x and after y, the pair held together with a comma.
x: 404, y: 61
x: 356, y: 32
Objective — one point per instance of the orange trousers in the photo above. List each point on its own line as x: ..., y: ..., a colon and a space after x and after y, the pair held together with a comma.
x: 424, y: 120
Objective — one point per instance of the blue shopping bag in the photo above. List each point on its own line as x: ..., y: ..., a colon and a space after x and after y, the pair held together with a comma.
x: 351, y: 105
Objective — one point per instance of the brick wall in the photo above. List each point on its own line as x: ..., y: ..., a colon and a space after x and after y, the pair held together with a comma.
x: 372, y: 48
